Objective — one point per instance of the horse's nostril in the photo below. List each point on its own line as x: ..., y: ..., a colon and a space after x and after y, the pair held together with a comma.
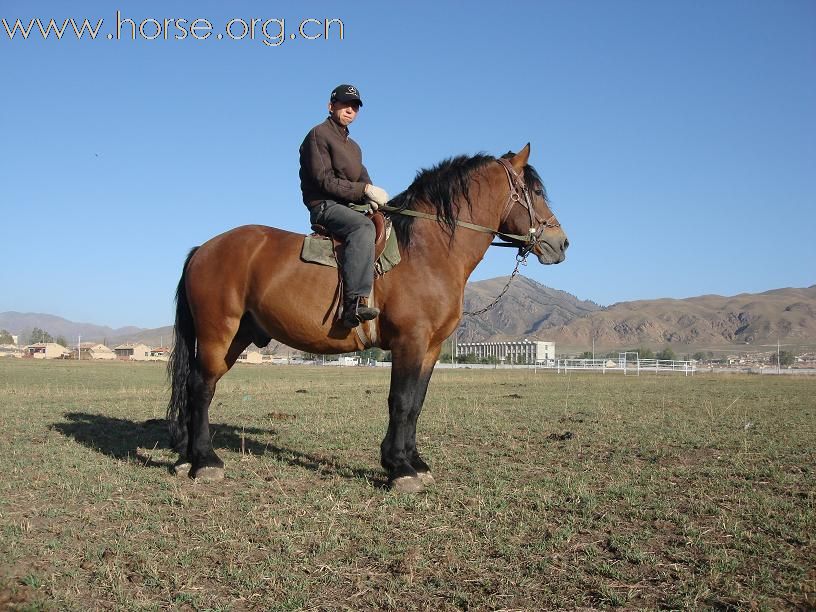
x: 566, y: 244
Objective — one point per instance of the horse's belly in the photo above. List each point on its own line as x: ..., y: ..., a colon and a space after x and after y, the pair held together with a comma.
x: 298, y: 306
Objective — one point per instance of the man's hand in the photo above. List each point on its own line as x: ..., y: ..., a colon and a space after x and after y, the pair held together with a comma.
x: 376, y: 196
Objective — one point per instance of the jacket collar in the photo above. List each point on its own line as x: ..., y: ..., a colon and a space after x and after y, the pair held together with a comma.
x: 342, y: 130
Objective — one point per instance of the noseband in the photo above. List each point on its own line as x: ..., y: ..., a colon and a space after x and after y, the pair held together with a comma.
x: 520, y: 194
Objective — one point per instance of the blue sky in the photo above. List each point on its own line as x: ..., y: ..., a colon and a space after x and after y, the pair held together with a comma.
x: 677, y: 140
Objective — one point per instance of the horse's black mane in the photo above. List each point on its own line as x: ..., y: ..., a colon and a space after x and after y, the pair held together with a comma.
x: 443, y: 187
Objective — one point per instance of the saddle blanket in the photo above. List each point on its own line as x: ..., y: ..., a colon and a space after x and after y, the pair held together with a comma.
x: 319, y: 250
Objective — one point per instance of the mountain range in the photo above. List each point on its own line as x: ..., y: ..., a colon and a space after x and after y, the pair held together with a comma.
x: 531, y: 310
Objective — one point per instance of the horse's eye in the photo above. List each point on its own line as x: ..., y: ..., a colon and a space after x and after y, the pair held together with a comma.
x: 539, y: 192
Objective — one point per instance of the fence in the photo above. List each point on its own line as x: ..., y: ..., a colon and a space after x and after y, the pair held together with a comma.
x: 626, y: 365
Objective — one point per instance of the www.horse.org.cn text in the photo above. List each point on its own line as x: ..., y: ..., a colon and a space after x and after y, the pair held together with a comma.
x: 270, y: 32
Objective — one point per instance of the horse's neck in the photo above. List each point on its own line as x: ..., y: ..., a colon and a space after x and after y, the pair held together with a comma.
x: 468, y: 247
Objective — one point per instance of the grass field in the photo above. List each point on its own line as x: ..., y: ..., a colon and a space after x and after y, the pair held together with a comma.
x: 579, y: 491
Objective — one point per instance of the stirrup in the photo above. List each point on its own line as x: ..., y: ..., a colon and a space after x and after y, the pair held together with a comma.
x: 357, y: 310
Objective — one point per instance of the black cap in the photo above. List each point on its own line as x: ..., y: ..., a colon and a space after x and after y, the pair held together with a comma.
x: 345, y: 93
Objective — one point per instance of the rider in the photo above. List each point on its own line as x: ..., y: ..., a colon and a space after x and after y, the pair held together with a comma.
x: 333, y: 179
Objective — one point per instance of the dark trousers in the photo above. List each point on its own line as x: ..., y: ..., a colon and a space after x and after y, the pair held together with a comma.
x: 358, y: 233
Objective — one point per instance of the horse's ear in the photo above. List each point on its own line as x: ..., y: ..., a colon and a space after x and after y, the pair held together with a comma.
x: 519, y: 160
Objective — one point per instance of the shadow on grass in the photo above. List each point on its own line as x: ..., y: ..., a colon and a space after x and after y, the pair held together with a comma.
x: 133, y: 441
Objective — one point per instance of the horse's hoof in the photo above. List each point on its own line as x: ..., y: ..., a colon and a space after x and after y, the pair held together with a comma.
x: 208, y: 474
x: 426, y: 478
x: 407, y: 484
x: 182, y: 468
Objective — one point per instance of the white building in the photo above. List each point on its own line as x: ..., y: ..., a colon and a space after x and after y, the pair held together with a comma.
x: 518, y: 351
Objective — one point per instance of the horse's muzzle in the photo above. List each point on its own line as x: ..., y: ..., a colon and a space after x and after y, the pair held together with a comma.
x: 552, y: 248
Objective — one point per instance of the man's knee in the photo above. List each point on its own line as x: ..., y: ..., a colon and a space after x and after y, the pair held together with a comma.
x: 365, y: 229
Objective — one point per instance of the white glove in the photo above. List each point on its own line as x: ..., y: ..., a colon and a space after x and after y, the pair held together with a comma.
x: 376, y: 196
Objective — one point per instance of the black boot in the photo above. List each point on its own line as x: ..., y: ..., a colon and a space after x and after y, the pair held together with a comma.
x: 356, y: 310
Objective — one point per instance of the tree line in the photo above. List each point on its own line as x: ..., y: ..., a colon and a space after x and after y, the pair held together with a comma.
x: 36, y: 335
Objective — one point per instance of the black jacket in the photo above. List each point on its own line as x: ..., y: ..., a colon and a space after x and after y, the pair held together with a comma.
x: 331, y: 166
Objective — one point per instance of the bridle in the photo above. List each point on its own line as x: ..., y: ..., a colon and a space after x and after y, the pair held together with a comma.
x: 519, y: 195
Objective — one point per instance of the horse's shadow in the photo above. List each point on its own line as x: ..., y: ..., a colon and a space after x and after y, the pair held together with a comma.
x: 133, y: 441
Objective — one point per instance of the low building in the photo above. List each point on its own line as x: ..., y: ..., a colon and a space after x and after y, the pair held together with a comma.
x: 130, y: 351
x: 161, y: 353
x: 93, y: 350
x: 10, y: 350
x: 46, y: 350
x: 518, y: 351
x: 251, y: 356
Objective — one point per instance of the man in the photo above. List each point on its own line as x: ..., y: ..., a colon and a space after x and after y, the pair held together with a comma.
x: 333, y: 178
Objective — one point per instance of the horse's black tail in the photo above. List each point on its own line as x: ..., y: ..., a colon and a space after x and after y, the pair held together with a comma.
x: 181, y: 364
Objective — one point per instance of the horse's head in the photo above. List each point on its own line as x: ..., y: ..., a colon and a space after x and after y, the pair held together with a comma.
x: 527, y: 211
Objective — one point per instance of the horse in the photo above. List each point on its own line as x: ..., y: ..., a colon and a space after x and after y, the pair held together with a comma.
x: 249, y: 285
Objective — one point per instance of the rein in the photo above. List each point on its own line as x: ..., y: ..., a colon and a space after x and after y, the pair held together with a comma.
x: 525, y: 243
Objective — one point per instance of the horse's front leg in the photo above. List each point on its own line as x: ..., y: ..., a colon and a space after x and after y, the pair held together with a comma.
x: 418, y: 463
x: 409, y: 382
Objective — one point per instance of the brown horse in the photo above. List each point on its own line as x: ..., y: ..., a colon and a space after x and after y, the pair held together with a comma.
x: 250, y: 285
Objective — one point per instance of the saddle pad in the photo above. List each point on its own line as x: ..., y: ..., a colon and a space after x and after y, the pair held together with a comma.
x: 319, y: 250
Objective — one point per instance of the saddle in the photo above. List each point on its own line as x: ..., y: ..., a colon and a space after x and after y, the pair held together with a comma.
x: 381, y: 225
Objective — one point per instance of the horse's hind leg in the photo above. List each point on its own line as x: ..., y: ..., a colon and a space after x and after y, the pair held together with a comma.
x: 216, y: 355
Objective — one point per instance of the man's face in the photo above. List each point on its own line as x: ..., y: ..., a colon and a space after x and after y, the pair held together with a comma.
x: 344, y: 112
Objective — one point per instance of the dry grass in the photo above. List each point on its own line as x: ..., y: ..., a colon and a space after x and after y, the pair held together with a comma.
x: 671, y: 492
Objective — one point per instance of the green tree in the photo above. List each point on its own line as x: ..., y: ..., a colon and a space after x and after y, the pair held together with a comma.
x: 374, y: 353
x: 39, y: 335
x: 61, y: 340
x: 643, y: 353
x: 667, y: 354
x: 585, y: 355
x: 5, y: 337
x: 786, y: 358
x: 699, y: 356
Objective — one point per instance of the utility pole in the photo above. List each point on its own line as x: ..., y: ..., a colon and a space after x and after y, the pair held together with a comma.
x: 79, y: 347
x: 778, y: 365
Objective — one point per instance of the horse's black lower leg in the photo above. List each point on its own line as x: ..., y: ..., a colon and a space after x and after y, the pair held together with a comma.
x: 205, y: 464
x: 414, y: 457
x: 410, y: 376
x: 394, y: 456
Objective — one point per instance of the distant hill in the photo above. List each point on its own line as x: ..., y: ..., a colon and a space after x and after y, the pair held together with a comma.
x: 22, y: 323
x: 532, y: 310
x: 787, y: 315
x: 527, y: 309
